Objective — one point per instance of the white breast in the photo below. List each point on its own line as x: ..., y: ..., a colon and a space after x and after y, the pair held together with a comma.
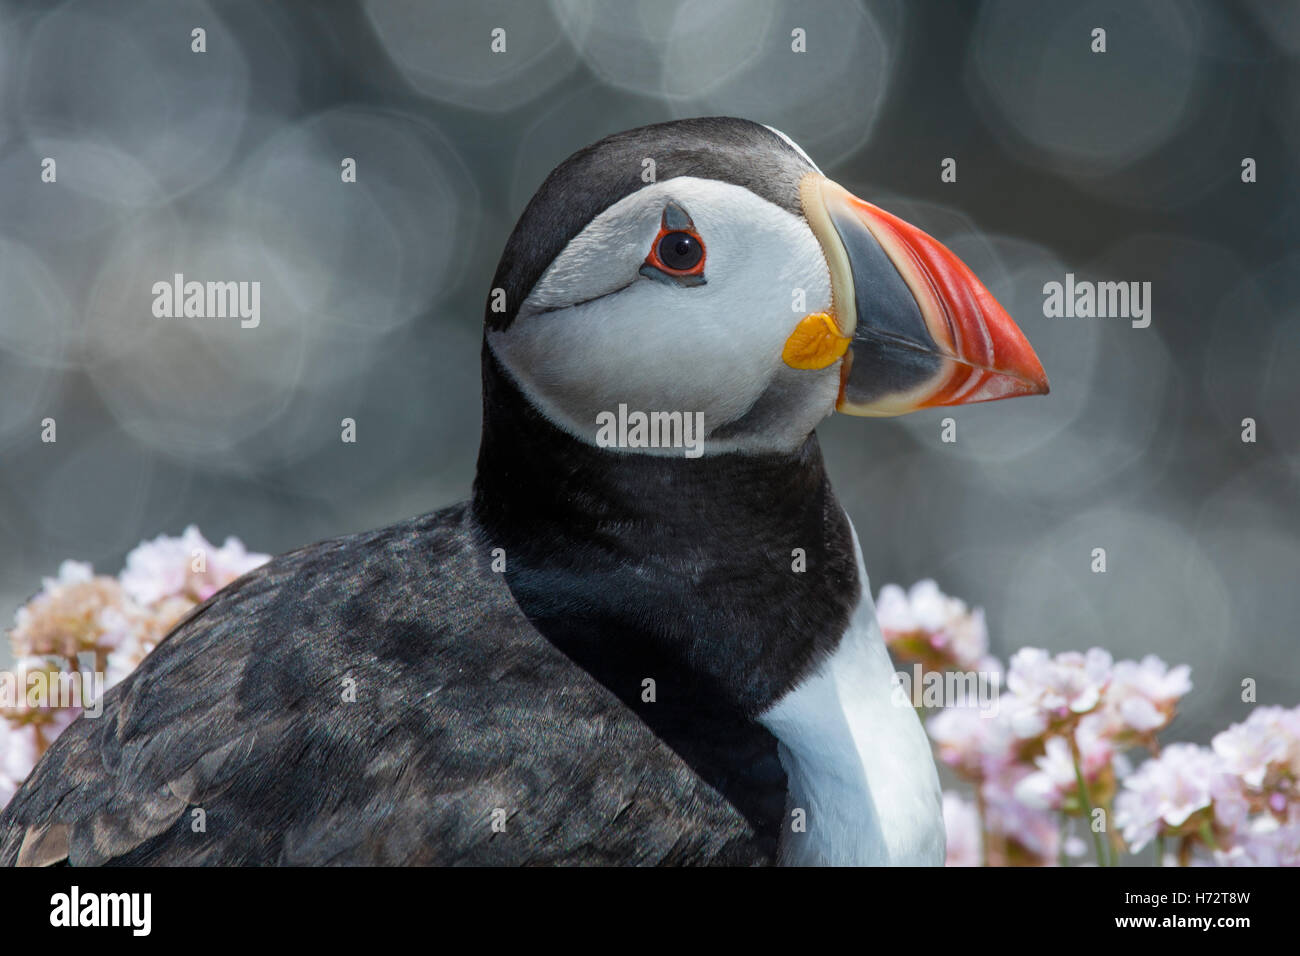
x: 858, y: 763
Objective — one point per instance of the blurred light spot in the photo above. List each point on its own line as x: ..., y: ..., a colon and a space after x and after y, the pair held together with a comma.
x: 26, y: 395
x: 35, y: 328
x: 361, y: 257
x: 1286, y: 111
x: 826, y: 99
x: 1160, y: 593
x: 628, y: 44
x: 584, y: 116
x: 191, y: 386
x: 35, y: 316
x: 1250, y: 528
x: 1109, y: 391
x: 1249, y: 357
x: 1280, y: 20
x: 443, y: 49
x: 137, y: 85
x: 1089, y: 112
x: 1027, y: 443
x: 8, y: 39
x: 97, y: 188
x: 90, y: 525
x: 399, y: 442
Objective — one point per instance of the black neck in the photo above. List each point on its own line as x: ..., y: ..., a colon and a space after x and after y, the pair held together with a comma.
x: 672, y: 570
x: 675, y: 569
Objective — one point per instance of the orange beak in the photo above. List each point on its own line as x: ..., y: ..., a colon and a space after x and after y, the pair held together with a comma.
x: 914, y: 325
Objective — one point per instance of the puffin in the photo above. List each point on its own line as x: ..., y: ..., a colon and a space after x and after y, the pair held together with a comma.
x: 648, y: 636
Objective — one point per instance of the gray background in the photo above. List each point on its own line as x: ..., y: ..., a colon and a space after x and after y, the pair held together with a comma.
x: 225, y: 165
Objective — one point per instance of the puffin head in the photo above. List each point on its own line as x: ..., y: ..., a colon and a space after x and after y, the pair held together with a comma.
x: 707, y: 267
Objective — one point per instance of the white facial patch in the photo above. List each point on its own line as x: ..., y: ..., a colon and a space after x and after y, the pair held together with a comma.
x: 595, y: 334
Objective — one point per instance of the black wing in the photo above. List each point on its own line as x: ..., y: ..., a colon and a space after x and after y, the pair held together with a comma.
x: 470, y: 738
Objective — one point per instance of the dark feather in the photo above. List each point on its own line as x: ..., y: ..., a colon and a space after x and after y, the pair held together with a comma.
x: 462, y: 708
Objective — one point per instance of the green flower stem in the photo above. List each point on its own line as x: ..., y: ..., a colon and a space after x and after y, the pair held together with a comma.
x: 1086, y: 797
x: 1114, y: 845
x: 1207, y: 834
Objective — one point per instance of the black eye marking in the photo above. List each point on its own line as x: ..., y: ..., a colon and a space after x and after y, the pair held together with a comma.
x: 677, y: 254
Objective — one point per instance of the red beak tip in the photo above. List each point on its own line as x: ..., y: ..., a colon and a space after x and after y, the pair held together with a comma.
x: 1033, y: 382
x: 1032, y: 385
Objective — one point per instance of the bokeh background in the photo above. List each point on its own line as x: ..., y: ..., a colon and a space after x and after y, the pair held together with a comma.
x: 226, y: 165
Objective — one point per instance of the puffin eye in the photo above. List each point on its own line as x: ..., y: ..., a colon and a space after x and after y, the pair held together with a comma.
x: 680, y: 251
x: 677, y: 254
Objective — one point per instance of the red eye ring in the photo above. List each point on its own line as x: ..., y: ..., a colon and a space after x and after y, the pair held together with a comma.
x: 677, y: 252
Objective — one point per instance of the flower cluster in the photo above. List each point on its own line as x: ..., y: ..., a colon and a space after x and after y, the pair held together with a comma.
x: 82, y: 623
x: 1238, y: 798
x: 1052, y: 756
x: 1052, y: 761
x: 938, y: 631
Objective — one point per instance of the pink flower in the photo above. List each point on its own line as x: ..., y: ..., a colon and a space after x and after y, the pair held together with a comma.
x: 74, y: 612
x: 1059, y: 687
x: 1266, y: 744
x: 972, y: 742
x: 1166, y: 791
x: 148, y: 627
x: 189, y: 566
x: 119, y: 620
x: 965, y: 841
x: 1053, y: 782
x: 1018, y: 829
x: 926, y: 624
x: 1025, y: 720
x: 34, y: 714
x: 42, y: 687
x: 1267, y: 843
x: 1142, y: 696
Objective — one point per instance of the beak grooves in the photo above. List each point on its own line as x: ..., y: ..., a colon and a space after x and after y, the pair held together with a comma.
x: 925, y: 331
